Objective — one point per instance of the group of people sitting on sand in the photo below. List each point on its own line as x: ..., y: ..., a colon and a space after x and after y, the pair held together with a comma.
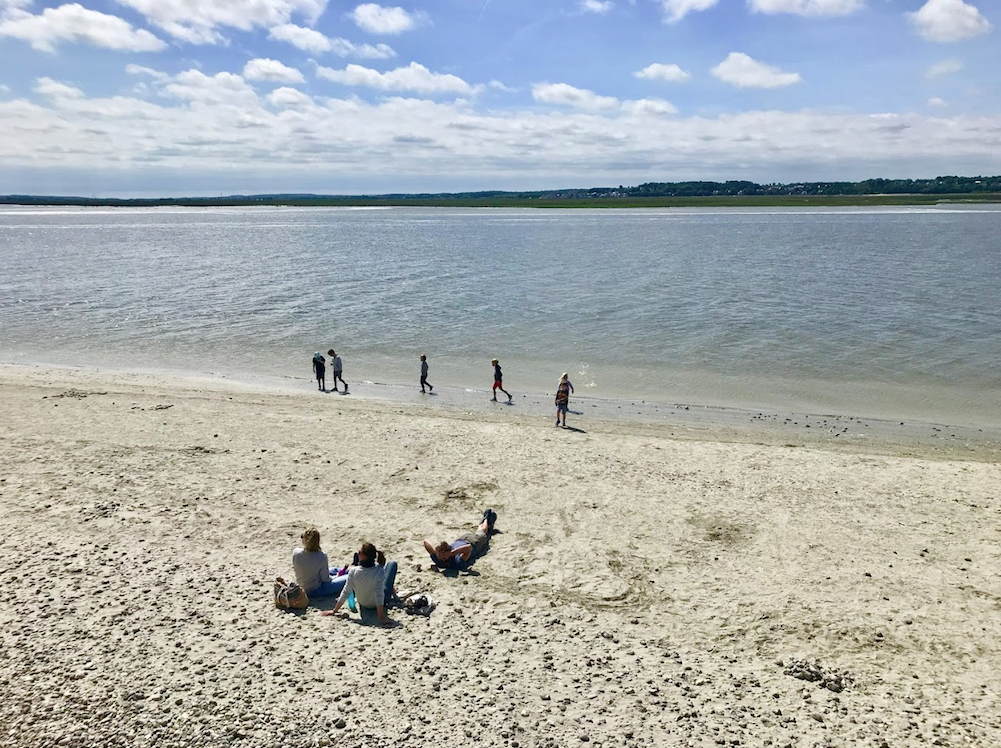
x: 367, y: 584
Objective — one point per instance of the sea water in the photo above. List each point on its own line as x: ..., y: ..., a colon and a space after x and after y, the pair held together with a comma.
x: 882, y: 312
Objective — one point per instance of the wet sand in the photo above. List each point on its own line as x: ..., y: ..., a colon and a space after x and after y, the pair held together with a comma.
x: 682, y: 581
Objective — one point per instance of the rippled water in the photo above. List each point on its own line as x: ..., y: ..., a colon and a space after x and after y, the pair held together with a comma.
x: 882, y: 312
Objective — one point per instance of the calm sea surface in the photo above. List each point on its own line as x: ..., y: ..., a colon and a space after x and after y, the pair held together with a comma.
x: 889, y: 313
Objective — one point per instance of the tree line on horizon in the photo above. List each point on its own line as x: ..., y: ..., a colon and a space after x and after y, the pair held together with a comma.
x: 947, y: 185
x: 937, y: 186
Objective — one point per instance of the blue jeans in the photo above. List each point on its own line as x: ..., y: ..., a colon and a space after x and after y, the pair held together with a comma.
x: 368, y: 615
x: 330, y: 588
x: 391, y: 567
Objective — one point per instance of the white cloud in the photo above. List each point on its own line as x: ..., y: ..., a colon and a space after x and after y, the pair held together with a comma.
x: 289, y: 98
x: 596, y: 6
x: 743, y: 71
x: 414, y: 77
x: 662, y: 72
x: 56, y: 90
x: 310, y: 40
x: 263, y: 69
x: 949, y: 21
x: 399, y: 144
x: 378, y: 19
x: 497, y: 85
x: 675, y: 10
x: 344, y: 48
x: 74, y: 23
x: 567, y: 95
x: 133, y: 69
x: 943, y: 67
x: 222, y: 88
x: 654, y: 107
x: 197, y: 22
x: 4, y: 88
x: 807, y: 7
x: 938, y: 103
x: 563, y: 94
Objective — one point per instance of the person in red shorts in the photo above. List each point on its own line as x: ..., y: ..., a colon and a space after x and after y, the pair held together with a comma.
x: 499, y: 380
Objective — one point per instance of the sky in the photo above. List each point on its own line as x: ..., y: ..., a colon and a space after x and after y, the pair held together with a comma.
x: 189, y: 97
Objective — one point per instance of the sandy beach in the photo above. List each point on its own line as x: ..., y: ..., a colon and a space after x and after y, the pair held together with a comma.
x: 650, y: 584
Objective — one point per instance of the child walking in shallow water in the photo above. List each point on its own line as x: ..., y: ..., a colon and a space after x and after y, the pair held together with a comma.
x: 424, y: 375
x: 499, y: 380
x: 320, y: 369
x: 563, y: 390
x: 338, y: 369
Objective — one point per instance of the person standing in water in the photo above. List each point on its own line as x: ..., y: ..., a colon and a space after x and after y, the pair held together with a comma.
x: 424, y: 375
x: 563, y: 390
x: 499, y: 380
x: 338, y: 368
x: 320, y: 370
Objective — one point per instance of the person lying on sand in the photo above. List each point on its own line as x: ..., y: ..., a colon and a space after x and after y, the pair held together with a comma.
x: 462, y: 552
x: 371, y: 581
x: 312, y: 571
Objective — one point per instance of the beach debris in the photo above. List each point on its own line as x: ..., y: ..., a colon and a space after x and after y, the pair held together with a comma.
x: 813, y: 672
x: 420, y: 605
x: 198, y: 449
x: 78, y: 394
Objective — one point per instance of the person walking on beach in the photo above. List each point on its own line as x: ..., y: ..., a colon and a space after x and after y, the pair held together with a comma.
x: 338, y: 367
x: 462, y: 552
x: 372, y: 583
x: 424, y: 375
x: 563, y: 390
x: 320, y: 369
x: 499, y: 380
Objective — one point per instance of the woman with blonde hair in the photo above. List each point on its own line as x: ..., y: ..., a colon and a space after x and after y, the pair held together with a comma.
x: 312, y: 571
x: 563, y: 390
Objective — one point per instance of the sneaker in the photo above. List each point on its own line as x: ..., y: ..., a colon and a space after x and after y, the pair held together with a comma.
x: 430, y: 388
x: 490, y: 516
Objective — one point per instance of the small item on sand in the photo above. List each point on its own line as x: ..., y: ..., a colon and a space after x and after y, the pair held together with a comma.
x: 289, y: 595
x: 420, y: 605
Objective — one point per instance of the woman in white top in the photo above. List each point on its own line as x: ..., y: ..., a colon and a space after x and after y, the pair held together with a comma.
x: 312, y: 571
x: 371, y: 581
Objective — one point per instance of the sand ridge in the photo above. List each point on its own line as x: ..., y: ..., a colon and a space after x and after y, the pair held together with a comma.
x: 644, y: 589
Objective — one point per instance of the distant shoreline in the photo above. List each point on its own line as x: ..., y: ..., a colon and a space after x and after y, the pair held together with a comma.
x: 748, y: 201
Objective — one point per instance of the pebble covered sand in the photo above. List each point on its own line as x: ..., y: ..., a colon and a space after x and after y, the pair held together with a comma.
x: 644, y: 588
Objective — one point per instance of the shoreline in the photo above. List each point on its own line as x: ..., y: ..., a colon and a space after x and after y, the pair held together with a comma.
x: 626, y: 415
x: 648, y: 587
